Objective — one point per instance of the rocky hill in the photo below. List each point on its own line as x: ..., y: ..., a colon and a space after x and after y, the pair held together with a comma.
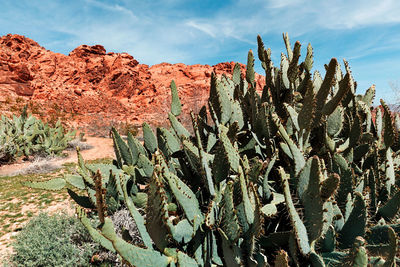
x: 92, y: 88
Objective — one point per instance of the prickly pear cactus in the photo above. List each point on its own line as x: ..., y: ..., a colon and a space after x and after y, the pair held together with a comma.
x: 25, y: 135
x: 305, y: 174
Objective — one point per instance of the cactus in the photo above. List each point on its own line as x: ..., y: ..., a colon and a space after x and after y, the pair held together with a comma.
x: 303, y: 168
x: 176, y: 107
x: 25, y: 136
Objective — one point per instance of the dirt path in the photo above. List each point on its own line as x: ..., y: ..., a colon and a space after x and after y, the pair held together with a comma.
x: 102, y: 148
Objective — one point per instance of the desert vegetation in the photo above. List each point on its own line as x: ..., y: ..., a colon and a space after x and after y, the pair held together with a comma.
x: 305, y: 174
x: 28, y: 136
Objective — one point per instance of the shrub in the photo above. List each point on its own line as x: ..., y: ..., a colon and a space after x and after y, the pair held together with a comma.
x: 57, y: 240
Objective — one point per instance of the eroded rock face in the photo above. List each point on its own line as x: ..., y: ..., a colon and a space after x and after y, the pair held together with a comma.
x: 90, y: 84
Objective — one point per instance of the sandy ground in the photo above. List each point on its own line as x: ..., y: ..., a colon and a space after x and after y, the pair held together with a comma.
x: 101, y: 148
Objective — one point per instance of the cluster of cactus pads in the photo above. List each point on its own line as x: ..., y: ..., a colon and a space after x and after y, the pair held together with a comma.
x: 305, y: 174
x: 26, y: 135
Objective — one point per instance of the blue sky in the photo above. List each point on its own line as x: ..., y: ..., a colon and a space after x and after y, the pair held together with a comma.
x: 364, y: 32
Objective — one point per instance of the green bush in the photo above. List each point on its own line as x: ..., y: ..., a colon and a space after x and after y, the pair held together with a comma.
x: 57, y: 240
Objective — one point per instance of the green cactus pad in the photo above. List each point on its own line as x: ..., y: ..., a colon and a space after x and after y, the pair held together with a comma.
x: 333, y: 103
x: 176, y: 107
x: 313, y: 202
x: 83, y: 201
x: 53, y: 184
x: 135, y: 147
x: 390, y: 134
x: 122, y: 151
x: 150, y: 140
x: 157, y: 213
x: 184, y: 196
x: 391, y: 207
x: 229, y: 223
x: 177, y: 126
x: 355, y: 224
x: 250, y: 69
x: 369, y: 96
x: 298, y: 226
x: 298, y: 157
x: 146, y: 165
x: 132, y: 254
x: 232, y: 253
x: 324, y: 90
x: 309, y: 61
x: 167, y: 142
x: 220, y: 101
x: 75, y: 180
x: 329, y: 186
x: 137, y: 217
x: 96, y: 235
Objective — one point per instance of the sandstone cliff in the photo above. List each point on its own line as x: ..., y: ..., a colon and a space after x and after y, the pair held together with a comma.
x: 92, y: 88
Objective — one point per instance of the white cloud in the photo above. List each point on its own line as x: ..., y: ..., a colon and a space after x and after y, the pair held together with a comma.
x: 174, y: 31
x: 281, y: 3
x: 112, y: 8
x: 224, y: 30
x: 154, y: 33
x: 299, y: 16
x: 353, y: 14
x: 203, y: 27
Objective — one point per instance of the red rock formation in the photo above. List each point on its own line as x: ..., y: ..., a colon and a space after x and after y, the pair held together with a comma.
x: 91, y: 85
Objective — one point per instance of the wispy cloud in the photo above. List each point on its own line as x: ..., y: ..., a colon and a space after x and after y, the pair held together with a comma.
x: 302, y: 16
x: 271, y: 4
x: 353, y: 14
x: 223, y: 30
x: 366, y: 32
x: 203, y: 27
x: 112, y: 7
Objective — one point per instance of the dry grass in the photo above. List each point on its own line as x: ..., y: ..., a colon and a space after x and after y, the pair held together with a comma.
x: 72, y: 145
x: 39, y: 166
